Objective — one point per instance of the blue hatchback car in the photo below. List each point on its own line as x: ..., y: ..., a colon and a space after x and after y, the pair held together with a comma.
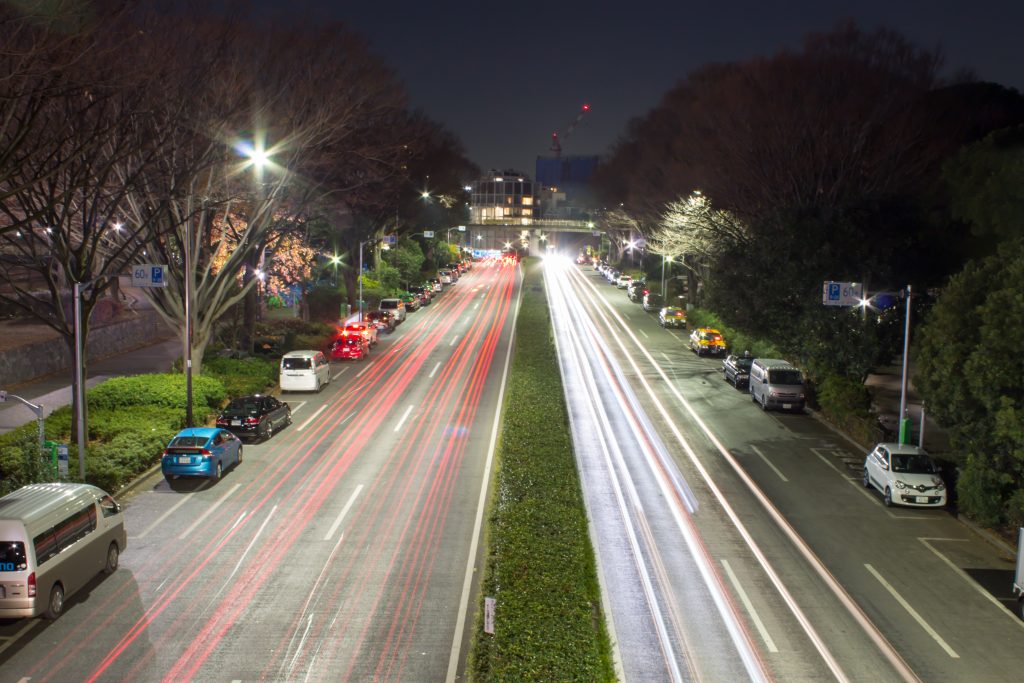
x: 201, y: 452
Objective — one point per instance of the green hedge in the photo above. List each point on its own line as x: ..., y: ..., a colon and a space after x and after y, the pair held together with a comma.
x: 737, y: 341
x: 167, y: 390
x: 539, y: 562
x: 242, y: 376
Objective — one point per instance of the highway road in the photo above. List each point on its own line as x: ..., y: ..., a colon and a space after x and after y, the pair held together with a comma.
x: 735, y: 544
x: 344, y: 548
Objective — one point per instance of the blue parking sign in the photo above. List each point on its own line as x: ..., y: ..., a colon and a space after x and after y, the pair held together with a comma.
x: 157, y: 275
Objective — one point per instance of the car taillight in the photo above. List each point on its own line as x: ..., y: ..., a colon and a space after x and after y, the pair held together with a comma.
x: 32, y: 585
x: 252, y: 420
x: 205, y: 452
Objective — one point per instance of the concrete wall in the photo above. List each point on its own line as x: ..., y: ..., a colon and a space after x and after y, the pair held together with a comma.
x: 33, y: 361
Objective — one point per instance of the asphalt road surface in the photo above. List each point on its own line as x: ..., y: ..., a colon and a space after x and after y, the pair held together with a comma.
x: 341, y: 549
x: 736, y: 544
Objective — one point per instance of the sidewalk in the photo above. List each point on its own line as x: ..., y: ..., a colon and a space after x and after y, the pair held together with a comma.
x: 54, y: 391
x: 884, y: 386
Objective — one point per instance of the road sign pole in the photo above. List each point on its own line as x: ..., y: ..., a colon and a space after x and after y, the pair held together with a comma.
x: 79, y: 380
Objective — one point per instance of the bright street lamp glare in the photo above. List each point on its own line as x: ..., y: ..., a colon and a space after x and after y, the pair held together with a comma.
x: 425, y: 195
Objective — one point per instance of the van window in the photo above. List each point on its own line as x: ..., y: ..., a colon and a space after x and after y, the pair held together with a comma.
x: 12, y: 556
x: 785, y: 377
x: 76, y: 527
x: 46, y: 546
x: 389, y: 304
x: 296, y: 363
x: 109, y: 506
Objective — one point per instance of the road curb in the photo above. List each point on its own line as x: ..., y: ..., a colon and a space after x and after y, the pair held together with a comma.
x: 137, y: 482
x: 987, y: 535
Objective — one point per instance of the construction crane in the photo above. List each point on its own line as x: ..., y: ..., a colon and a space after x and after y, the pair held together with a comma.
x: 556, y: 147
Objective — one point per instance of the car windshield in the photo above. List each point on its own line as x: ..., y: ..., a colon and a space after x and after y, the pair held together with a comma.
x: 389, y: 304
x: 350, y: 341
x: 188, y: 442
x: 744, y: 363
x: 786, y: 377
x: 912, y: 463
x: 296, y: 363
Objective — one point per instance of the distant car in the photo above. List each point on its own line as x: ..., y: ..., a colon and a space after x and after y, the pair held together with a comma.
x: 652, y: 302
x: 905, y: 475
x: 257, y: 416
x: 352, y: 347
x: 623, y: 281
x: 611, y: 275
x: 706, y: 341
x: 436, y: 285
x: 201, y: 452
x: 736, y: 370
x: 411, y: 301
x: 672, y: 316
x: 445, y: 276
x: 384, y: 321
x: 637, y: 290
x: 423, y: 294
x: 364, y: 328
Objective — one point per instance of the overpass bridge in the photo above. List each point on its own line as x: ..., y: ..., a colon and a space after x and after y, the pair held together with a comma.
x: 538, y: 234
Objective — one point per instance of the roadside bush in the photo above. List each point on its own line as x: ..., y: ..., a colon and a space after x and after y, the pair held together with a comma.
x: 113, y: 464
x: 107, y: 423
x: 846, y: 402
x: 325, y: 303
x: 20, y: 460
x: 738, y: 341
x: 167, y: 390
x: 242, y: 376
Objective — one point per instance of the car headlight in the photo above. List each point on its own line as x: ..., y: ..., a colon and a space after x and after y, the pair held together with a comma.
x: 899, y: 484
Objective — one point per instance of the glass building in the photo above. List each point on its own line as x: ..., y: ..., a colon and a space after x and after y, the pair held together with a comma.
x: 507, y: 198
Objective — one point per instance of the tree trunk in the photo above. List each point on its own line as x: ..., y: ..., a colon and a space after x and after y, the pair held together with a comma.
x: 250, y: 307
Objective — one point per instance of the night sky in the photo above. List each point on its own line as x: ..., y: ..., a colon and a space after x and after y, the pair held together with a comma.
x: 502, y: 75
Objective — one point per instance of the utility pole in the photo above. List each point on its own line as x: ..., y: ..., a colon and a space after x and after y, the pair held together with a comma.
x: 905, y: 425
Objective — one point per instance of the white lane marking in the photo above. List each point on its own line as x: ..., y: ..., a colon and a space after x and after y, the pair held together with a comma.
x: 209, y: 511
x: 646, y: 336
x: 467, y: 581
x: 769, y: 463
x: 454, y: 339
x: 434, y: 371
x: 344, y: 511
x: 338, y: 374
x: 665, y: 356
x: 297, y: 407
x: 311, y: 418
x: 476, y: 305
x: 966, y: 577
x: 769, y: 643
x: 917, y: 617
x: 405, y: 416
x: 29, y: 623
x: 249, y: 547
x: 170, y: 512
x: 363, y: 371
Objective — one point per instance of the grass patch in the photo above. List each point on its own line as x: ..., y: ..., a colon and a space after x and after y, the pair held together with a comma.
x: 539, y: 562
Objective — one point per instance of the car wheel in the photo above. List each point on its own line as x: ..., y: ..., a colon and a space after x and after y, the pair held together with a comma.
x: 269, y: 432
x: 866, y: 479
x: 238, y: 460
x: 317, y: 390
x: 113, y: 557
x: 887, y: 498
x: 764, y: 402
x: 217, y: 472
x: 56, y: 604
x: 288, y: 419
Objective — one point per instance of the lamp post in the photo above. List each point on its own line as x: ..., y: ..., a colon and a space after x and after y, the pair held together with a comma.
x: 904, y: 420
x: 664, y: 258
x: 335, y: 260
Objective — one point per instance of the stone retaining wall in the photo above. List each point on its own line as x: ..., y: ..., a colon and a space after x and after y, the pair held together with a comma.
x: 33, y: 361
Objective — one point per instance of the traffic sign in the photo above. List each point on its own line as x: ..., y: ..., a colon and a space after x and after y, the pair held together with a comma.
x: 390, y: 239
x: 149, y: 275
x: 842, y: 293
x: 62, y: 460
x: 429, y: 234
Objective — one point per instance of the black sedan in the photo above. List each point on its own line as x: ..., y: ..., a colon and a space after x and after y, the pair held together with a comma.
x: 736, y: 370
x: 257, y: 416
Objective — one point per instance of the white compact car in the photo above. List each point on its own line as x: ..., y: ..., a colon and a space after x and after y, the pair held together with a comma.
x: 905, y: 474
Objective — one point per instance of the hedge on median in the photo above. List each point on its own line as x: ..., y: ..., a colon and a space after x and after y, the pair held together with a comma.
x: 540, y: 565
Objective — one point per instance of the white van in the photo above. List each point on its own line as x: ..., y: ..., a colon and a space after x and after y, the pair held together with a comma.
x: 394, y: 306
x: 775, y: 383
x: 304, y: 371
x: 53, y: 539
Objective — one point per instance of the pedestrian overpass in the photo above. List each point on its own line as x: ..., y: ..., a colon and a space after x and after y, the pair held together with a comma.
x: 538, y: 235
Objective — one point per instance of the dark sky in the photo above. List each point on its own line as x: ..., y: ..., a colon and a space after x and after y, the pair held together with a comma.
x: 504, y: 74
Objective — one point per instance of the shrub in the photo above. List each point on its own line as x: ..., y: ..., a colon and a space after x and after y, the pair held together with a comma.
x: 738, y: 341
x: 325, y: 303
x: 107, y: 423
x: 242, y: 376
x: 167, y: 390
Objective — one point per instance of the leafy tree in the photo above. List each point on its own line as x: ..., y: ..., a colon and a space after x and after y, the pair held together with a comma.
x: 968, y: 371
x: 407, y: 258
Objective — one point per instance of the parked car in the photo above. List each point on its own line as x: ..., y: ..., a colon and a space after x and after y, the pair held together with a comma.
x: 905, y: 475
x: 394, y: 306
x: 351, y: 347
x: 706, y: 341
x: 411, y: 301
x: 368, y: 331
x: 257, y: 415
x: 775, y: 383
x: 201, y: 452
x: 423, y: 294
x: 653, y: 301
x: 445, y: 277
x: 611, y: 275
x: 637, y: 290
x: 623, y: 281
x: 384, y: 321
x: 671, y: 316
x: 436, y: 285
x: 736, y: 369
x: 304, y: 371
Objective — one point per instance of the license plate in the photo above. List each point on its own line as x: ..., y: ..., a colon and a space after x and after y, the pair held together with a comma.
x: 236, y: 423
x: 184, y: 460
x: 922, y: 499
x: 787, y: 406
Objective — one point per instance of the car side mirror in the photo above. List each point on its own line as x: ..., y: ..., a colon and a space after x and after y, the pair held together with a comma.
x: 764, y: 381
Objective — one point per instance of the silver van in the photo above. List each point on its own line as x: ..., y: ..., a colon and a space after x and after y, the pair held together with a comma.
x: 395, y: 307
x: 304, y: 371
x: 53, y: 539
x: 776, y: 383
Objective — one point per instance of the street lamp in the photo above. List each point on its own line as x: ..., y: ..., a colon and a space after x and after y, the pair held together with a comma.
x: 335, y: 260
